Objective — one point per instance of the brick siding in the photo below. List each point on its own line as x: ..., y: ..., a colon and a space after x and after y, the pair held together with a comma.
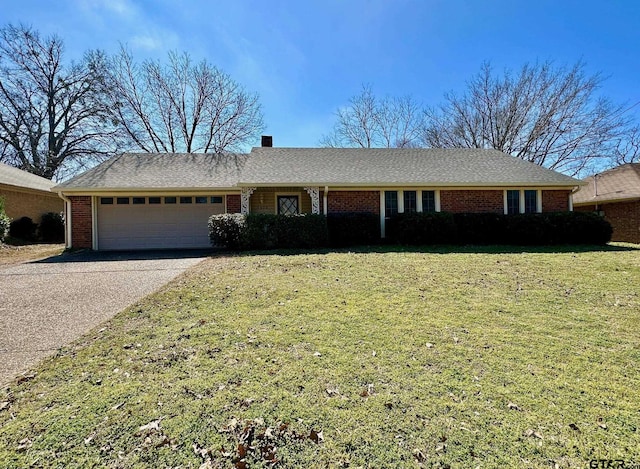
x: 30, y: 204
x: 233, y: 203
x: 555, y: 201
x: 624, y: 218
x: 81, y: 224
x: 353, y: 201
x: 472, y: 201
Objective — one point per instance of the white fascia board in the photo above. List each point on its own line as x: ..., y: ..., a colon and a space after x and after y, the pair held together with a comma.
x: 606, y: 201
x: 143, y: 191
x: 389, y: 185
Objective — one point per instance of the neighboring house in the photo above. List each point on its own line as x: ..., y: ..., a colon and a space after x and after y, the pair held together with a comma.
x: 615, y: 194
x: 27, y: 195
x: 147, y: 201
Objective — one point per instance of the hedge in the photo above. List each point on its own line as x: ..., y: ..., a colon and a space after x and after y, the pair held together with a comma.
x: 421, y: 228
x: 353, y: 228
x: 52, y: 228
x: 226, y: 230
x: 262, y: 231
x: 23, y: 228
x: 491, y: 228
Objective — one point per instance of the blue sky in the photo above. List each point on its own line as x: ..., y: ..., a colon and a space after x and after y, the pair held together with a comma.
x: 306, y: 58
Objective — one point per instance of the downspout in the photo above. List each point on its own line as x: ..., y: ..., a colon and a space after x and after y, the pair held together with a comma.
x: 573, y: 191
x: 67, y: 219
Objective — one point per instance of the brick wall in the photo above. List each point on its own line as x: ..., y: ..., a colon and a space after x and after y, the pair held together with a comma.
x: 472, y: 201
x: 81, y: 236
x: 233, y: 203
x: 20, y: 204
x: 624, y: 218
x: 555, y: 201
x: 353, y: 201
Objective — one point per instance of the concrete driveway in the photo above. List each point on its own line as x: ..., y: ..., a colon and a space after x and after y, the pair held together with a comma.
x: 49, y: 303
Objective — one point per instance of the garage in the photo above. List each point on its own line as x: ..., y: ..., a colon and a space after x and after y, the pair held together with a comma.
x: 158, y: 222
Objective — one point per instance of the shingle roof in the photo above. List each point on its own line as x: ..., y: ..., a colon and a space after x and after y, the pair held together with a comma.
x: 16, y: 177
x: 317, y: 167
x: 360, y: 166
x: 161, y: 171
x: 621, y: 183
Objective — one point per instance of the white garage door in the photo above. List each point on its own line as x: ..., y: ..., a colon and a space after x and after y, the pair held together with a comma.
x: 155, y: 222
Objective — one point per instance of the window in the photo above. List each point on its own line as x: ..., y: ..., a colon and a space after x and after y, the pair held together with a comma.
x: 216, y: 199
x: 530, y: 201
x: 154, y: 200
x: 390, y: 203
x: 513, y: 202
x: 170, y: 200
x: 525, y: 201
x: 122, y: 200
x: 186, y: 200
x: 287, y: 204
x: 201, y: 200
x: 410, y: 202
x: 138, y: 201
x: 106, y: 200
x: 428, y: 201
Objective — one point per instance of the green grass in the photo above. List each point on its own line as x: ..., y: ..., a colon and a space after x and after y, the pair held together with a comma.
x: 473, y: 358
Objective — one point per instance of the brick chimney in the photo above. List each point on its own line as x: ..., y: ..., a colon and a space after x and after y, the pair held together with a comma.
x: 267, y: 141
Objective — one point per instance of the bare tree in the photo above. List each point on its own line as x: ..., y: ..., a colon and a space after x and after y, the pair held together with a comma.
x: 181, y: 106
x: 548, y: 115
x: 369, y: 122
x: 627, y: 149
x: 52, y: 117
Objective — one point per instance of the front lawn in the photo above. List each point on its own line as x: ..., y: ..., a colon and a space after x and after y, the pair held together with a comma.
x: 25, y: 252
x: 476, y: 358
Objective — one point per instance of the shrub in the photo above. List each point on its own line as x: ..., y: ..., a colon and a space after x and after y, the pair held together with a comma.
x: 528, y: 229
x: 225, y: 230
x: 422, y: 228
x: 580, y: 228
x: 5, y: 222
x: 264, y: 231
x: 353, y: 228
x: 52, y: 228
x: 492, y: 228
x: 23, y: 228
x: 479, y: 228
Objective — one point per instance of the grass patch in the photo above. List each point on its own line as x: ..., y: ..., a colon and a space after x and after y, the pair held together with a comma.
x: 492, y: 358
x: 18, y: 251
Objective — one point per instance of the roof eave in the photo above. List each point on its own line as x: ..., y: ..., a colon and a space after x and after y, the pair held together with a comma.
x: 18, y: 188
x: 83, y: 190
x: 595, y: 201
x: 412, y: 184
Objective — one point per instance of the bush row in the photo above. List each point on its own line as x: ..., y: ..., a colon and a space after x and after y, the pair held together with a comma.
x: 490, y: 228
x: 260, y: 231
x: 50, y: 230
x: 353, y: 229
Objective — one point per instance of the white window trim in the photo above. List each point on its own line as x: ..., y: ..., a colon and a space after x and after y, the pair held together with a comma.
x: 521, y: 199
x: 297, y: 194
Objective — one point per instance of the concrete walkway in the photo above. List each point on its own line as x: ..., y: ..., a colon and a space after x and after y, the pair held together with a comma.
x: 49, y: 303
